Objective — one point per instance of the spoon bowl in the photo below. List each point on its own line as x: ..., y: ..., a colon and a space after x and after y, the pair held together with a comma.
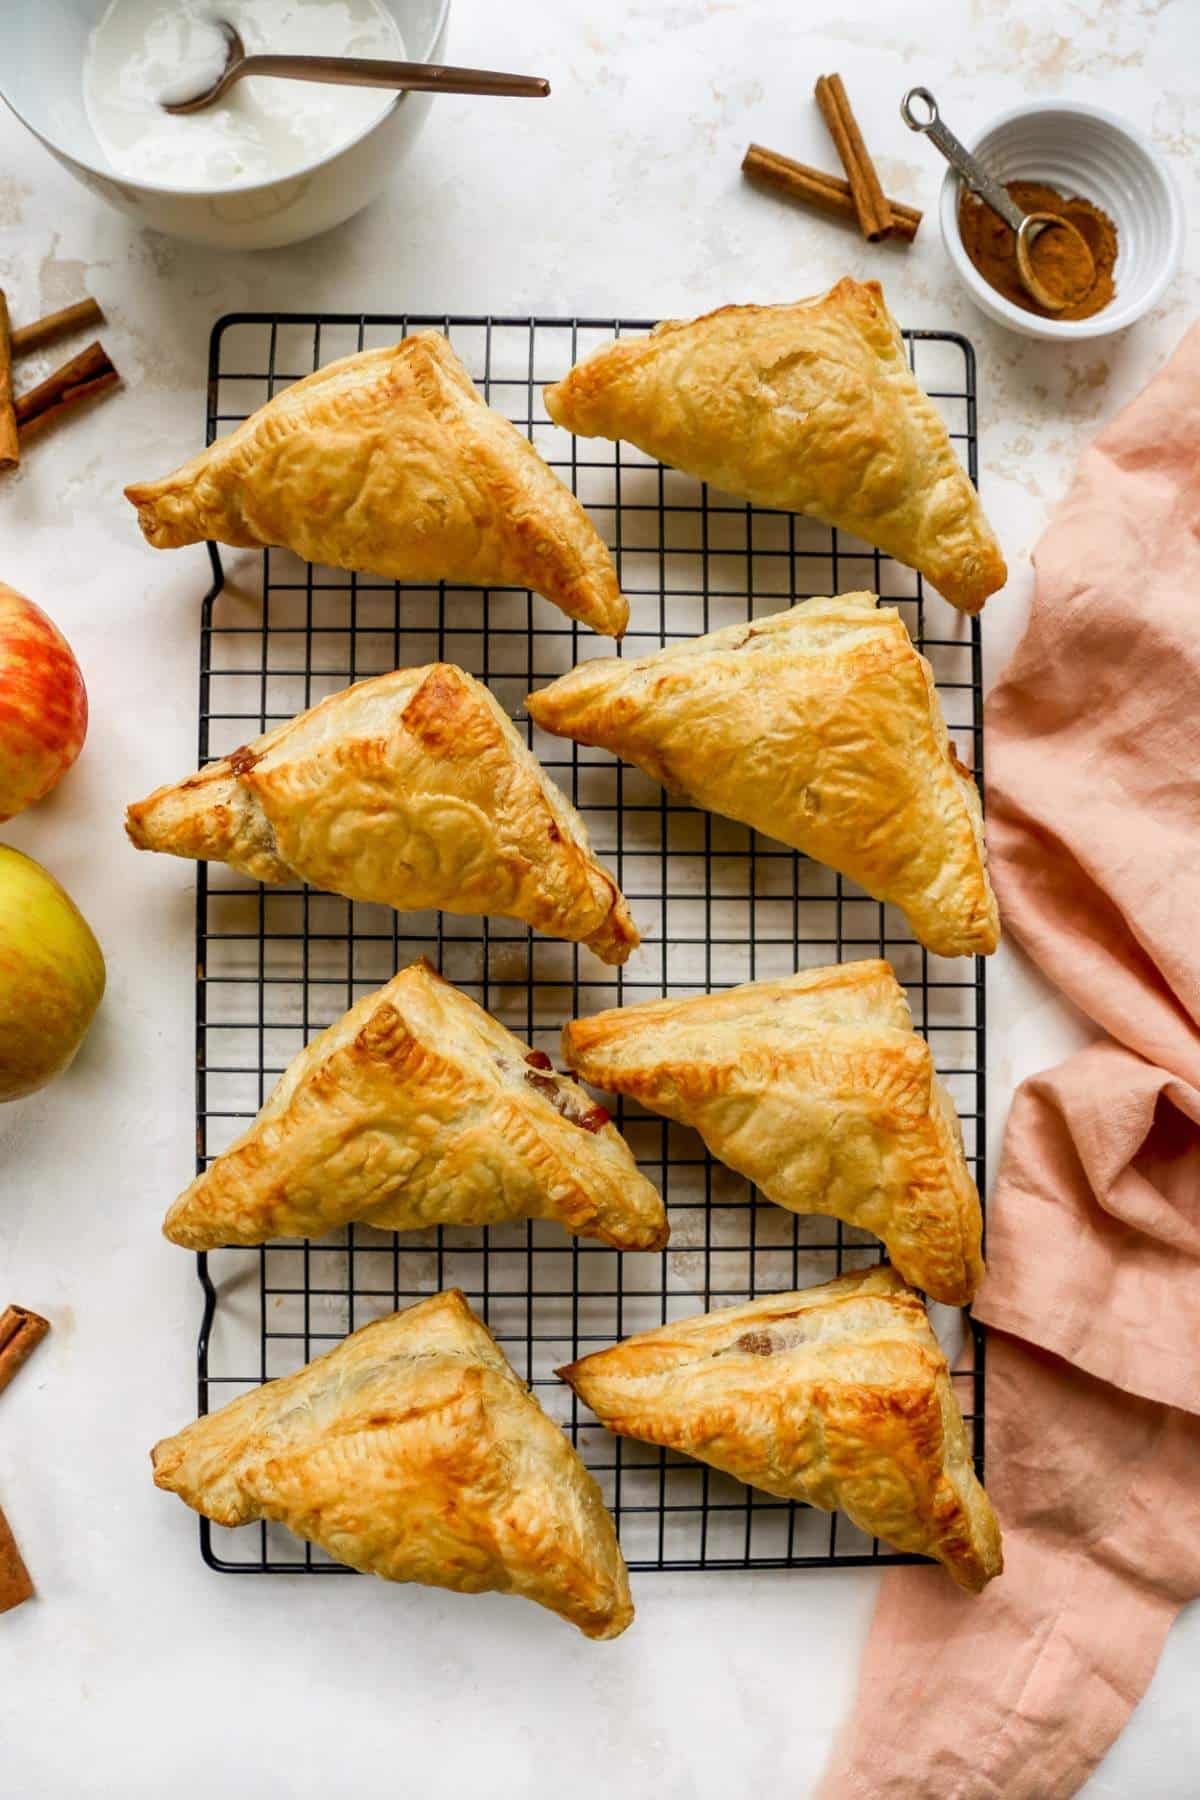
x: 191, y: 94
x: 1033, y: 225
x: 347, y: 71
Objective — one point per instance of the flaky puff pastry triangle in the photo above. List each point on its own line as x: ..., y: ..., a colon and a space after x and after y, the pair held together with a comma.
x: 412, y: 1451
x: 838, y: 1396
x: 809, y: 407
x: 389, y: 461
x: 821, y: 727
x: 817, y: 1089
x: 413, y: 789
x: 416, y: 1109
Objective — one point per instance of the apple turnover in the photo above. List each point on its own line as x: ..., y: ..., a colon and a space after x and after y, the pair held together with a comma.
x: 838, y: 1396
x: 809, y: 407
x: 821, y: 727
x: 390, y: 462
x: 413, y: 789
x: 818, y: 1090
x: 416, y: 1109
x: 412, y: 1451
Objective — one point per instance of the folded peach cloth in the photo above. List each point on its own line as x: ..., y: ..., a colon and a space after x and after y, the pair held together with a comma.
x: 1093, y: 1285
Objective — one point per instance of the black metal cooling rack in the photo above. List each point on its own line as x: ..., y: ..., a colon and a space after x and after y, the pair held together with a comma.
x: 716, y: 905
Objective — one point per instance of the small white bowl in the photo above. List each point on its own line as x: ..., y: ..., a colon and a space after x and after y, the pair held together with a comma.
x: 41, y: 78
x: 1084, y: 150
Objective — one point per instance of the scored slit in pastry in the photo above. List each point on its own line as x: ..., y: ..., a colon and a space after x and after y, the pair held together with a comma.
x: 817, y: 1089
x: 413, y: 789
x: 416, y: 1109
x: 810, y: 407
x: 820, y: 726
x: 838, y: 1395
x: 391, y: 462
x: 412, y: 1451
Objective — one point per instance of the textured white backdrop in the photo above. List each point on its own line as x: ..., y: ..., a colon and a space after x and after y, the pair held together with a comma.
x: 137, y: 1672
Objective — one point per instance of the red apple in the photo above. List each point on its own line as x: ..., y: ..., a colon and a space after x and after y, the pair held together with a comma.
x: 43, y: 704
x: 51, y: 976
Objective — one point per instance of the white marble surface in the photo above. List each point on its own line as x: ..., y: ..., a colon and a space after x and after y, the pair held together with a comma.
x: 138, y: 1673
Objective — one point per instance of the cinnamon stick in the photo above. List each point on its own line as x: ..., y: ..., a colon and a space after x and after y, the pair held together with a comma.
x: 828, y: 193
x: 15, y: 1585
x: 55, y: 325
x: 870, y: 203
x: 88, y: 373
x: 86, y: 390
x: 21, y: 1331
x: 10, y: 443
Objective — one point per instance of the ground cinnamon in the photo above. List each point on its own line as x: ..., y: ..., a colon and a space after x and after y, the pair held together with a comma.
x: 1057, y: 260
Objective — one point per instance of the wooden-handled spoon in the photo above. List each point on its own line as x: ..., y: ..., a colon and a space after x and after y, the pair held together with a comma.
x: 346, y: 71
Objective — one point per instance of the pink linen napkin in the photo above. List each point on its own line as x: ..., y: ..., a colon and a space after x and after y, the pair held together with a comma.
x: 1093, y: 1285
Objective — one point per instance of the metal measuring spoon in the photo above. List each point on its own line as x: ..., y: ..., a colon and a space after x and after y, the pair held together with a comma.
x: 345, y: 71
x: 1027, y: 227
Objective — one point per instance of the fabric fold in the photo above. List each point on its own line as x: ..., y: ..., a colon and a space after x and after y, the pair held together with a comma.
x: 1093, y: 1284
x: 1016, y: 1693
x: 1091, y: 1252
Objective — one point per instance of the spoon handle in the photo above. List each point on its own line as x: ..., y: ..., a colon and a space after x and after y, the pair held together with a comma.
x: 419, y: 77
x: 975, y: 176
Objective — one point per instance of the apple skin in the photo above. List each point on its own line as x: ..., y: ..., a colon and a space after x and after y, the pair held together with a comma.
x: 51, y: 976
x: 43, y: 704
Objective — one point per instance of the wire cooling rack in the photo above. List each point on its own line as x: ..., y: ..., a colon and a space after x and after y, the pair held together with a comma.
x: 716, y: 905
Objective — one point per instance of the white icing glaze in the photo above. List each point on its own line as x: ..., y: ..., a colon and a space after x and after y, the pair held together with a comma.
x: 142, y: 51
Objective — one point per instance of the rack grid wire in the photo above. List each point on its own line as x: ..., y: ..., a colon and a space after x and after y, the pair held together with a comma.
x: 716, y: 905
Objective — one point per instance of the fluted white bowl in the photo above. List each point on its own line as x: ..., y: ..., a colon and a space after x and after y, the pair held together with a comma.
x: 1078, y: 149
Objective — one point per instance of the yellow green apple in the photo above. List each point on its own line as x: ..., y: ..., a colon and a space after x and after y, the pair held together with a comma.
x: 43, y: 704
x: 51, y: 976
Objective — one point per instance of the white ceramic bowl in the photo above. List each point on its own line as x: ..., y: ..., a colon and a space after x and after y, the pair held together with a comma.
x: 41, y: 62
x: 1083, y: 150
